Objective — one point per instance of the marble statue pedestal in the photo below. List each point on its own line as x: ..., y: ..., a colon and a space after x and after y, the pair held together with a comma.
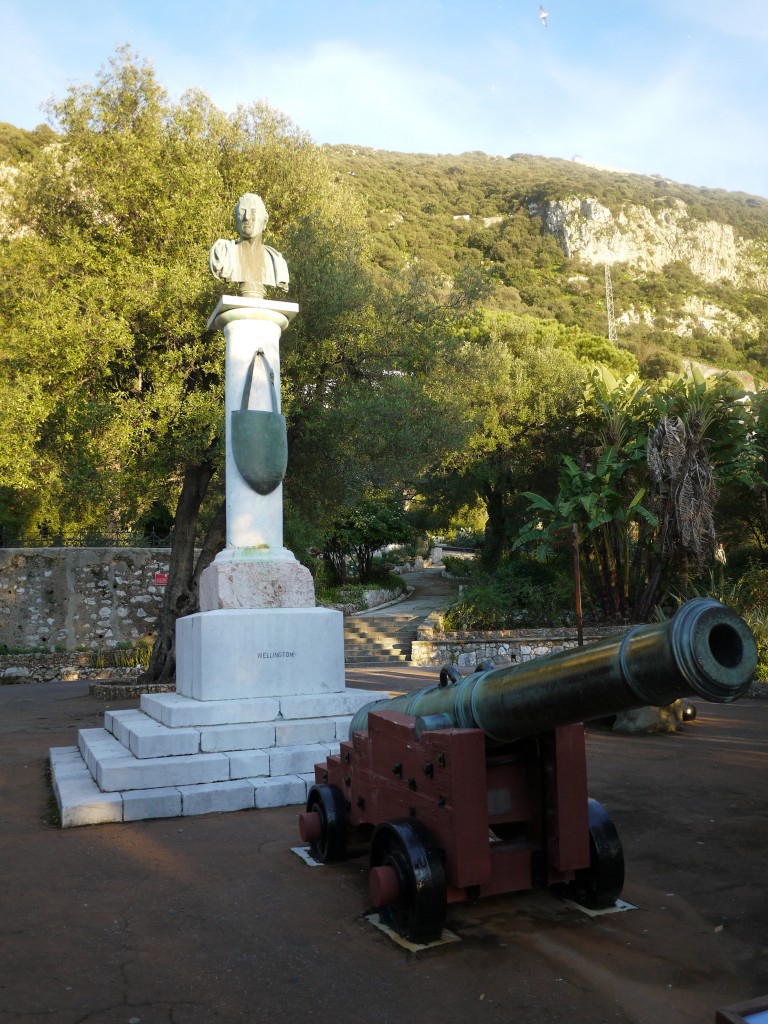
x: 260, y: 699
x: 256, y: 583
x: 260, y: 695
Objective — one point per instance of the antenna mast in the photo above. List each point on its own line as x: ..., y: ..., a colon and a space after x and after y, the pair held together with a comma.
x: 609, y: 304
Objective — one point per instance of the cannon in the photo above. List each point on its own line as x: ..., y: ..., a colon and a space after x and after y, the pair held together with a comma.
x: 477, y: 786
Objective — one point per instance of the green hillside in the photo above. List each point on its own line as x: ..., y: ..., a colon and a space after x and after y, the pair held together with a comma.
x: 446, y: 211
x: 473, y: 211
x: 17, y: 144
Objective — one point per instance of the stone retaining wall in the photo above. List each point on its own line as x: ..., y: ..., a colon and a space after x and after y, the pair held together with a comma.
x: 79, y: 597
x: 371, y: 599
x: 41, y: 668
x: 505, y: 646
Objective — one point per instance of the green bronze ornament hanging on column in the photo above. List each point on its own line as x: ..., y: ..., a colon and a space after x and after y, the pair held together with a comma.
x: 259, y: 438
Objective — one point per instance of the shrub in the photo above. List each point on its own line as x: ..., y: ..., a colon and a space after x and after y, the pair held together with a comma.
x: 362, y: 530
x: 381, y: 575
x: 347, y: 595
x: 757, y: 620
x: 123, y: 655
x: 351, y: 596
x: 520, y: 593
x: 406, y: 552
x: 384, y: 579
x: 466, y: 538
x: 461, y: 567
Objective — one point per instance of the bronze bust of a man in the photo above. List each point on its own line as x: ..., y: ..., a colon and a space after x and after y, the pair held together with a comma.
x: 248, y: 262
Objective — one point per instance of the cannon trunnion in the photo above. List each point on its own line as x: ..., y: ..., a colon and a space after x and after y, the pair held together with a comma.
x: 459, y: 800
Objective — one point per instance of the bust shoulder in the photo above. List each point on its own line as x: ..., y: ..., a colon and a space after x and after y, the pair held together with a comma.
x: 222, y: 259
x: 279, y: 268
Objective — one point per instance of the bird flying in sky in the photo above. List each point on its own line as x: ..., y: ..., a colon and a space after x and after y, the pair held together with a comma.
x: 543, y: 15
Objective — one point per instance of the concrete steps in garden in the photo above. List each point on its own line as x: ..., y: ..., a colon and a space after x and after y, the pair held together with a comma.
x: 379, y: 640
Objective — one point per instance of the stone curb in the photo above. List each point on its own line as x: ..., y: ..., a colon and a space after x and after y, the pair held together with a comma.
x: 386, y: 604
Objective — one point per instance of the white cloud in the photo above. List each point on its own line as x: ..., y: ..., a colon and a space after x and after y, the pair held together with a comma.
x: 692, y: 109
x: 342, y: 92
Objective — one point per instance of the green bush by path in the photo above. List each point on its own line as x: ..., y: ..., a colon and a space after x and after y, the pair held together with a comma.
x: 461, y: 568
x: 352, y: 595
x: 520, y: 592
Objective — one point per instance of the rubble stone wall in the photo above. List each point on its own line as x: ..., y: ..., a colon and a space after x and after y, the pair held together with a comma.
x: 69, y: 598
x: 502, y: 647
x: 70, y: 667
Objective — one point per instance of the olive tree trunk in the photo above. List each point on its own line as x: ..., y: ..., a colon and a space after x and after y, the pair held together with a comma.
x: 181, y: 592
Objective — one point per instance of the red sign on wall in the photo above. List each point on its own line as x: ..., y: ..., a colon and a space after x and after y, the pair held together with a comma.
x: 161, y: 579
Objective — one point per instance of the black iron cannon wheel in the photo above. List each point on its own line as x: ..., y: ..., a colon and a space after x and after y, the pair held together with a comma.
x: 599, y: 885
x: 328, y: 803
x: 418, y: 907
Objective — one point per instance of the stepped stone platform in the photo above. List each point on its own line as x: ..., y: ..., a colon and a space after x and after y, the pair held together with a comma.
x: 260, y: 700
x: 177, y: 756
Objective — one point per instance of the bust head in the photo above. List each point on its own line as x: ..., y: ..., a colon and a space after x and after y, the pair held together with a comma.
x: 247, y: 261
x: 250, y: 216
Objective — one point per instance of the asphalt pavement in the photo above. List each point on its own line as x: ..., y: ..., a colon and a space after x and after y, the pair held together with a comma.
x: 214, y: 919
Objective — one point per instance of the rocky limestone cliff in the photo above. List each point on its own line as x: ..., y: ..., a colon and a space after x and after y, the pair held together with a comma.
x: 649, y: 241
x: 697, y: 314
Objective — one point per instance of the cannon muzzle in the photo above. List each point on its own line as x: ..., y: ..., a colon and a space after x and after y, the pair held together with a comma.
x: 705, y: 650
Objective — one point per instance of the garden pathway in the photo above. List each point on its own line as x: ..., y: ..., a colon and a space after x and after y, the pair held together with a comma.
x: 384, y: 635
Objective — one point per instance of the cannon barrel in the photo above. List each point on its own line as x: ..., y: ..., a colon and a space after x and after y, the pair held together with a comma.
x: 705, y: 650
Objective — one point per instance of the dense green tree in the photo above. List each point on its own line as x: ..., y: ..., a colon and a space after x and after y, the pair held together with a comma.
x: 111, y: 384
x: 521, y: 379
x: 642, y: 495
x: 743, y: 504
x: 359, y: 532
x: 523, y: 402
x: 116, y: 387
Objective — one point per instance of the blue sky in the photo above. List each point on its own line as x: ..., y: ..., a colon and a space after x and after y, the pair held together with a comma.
x: 671, y: 87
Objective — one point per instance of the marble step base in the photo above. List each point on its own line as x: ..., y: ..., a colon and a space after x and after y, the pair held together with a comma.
x: 82, y: 802
x: 114, y: 768
x: 175, y: 710
x: 147, y: 738
x: 177, y: 756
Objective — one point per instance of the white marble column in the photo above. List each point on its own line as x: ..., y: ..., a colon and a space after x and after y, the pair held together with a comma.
x: 254, y: 570
x: 254, y: 521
